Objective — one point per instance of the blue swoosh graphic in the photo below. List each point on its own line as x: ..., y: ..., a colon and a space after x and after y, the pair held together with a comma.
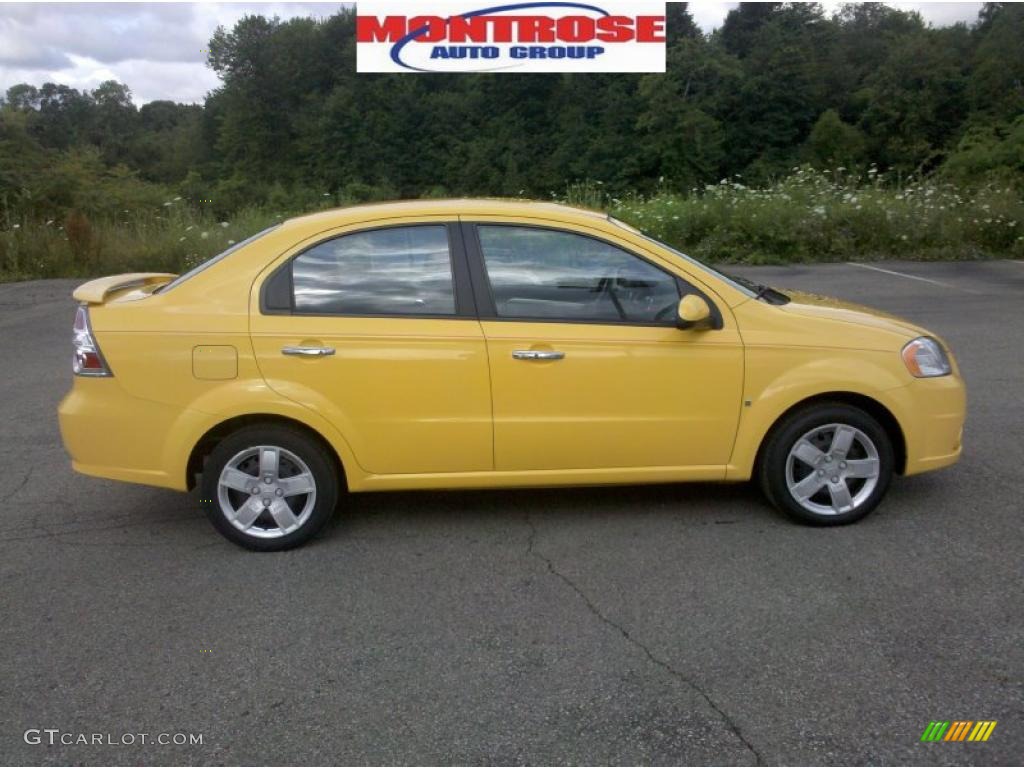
x: 396, y: 49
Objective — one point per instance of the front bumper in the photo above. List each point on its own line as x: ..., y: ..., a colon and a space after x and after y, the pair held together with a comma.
x: 932, y: 416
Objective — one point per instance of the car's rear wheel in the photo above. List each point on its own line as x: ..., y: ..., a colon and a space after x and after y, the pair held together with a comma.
x: 828, y: 464
x: 269, y: 487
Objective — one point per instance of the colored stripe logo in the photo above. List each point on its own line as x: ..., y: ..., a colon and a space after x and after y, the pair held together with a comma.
x: 958, y: 730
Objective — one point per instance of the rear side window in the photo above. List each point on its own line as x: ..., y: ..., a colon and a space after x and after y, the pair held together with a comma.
x: 544, y: 274
x: 395, y: 271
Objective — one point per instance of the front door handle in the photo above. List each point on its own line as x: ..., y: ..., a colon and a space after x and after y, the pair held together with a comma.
x: 308, y: 351
x: 536, y: 354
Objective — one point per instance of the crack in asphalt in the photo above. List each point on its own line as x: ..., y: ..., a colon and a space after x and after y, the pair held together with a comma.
x: 729, y: 722
x: 23, y: 483
x: 48, y: 532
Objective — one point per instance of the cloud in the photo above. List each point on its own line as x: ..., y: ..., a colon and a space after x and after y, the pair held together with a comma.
x: 709, y: 14
x: 23, y: 53
x: 185, y: 82
x: 157, y: 49
x: 104, y: 32
x: 943, y: 14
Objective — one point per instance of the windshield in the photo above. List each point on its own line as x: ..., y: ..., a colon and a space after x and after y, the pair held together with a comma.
x: 213, y: 260
x: 744, y: 286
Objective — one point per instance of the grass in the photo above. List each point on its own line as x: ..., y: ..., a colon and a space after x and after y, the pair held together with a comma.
x: 172, y: 240
x: 814, y: 216
x: 809, y: 216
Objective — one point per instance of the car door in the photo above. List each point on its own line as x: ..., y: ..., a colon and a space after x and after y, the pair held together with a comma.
x: 588, y: 368
x: 375, y: 329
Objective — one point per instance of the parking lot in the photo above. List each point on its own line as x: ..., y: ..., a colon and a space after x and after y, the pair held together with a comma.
x: 650, y: 625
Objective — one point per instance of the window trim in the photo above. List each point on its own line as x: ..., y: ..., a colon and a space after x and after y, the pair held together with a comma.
x: 465, y: 305
x: 483, y: 290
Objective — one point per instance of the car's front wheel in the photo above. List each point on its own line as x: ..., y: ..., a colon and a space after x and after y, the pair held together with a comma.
x: 269, y: 487
x: 828, y: 464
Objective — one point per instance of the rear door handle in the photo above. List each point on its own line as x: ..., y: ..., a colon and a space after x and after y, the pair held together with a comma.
x: 536, y: 354
x: 308, y: 351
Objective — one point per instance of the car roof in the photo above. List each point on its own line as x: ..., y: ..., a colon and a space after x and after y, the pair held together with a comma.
x: 451, y: 208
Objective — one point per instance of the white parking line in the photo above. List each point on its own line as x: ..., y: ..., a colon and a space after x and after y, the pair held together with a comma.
x: 909, y: 277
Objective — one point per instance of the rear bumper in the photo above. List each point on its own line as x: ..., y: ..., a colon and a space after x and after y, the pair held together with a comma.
x: 932, y: 418
x: 112, y: 435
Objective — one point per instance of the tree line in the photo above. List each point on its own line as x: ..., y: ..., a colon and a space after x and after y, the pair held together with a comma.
x: 777, y: 87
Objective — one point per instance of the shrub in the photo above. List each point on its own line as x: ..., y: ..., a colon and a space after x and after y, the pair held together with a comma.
x: 826, y: 216
x: 808, y: 216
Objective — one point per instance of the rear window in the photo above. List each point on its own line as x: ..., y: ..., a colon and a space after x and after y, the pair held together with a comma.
x: 394, y: 272
x: 213, y: 260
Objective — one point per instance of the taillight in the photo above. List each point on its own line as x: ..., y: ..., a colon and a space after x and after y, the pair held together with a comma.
x: 88, y: 360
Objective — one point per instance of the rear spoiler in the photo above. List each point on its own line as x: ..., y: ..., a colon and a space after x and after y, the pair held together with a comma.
x: 98, y: 291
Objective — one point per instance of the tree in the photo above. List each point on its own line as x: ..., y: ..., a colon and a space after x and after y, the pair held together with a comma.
x: 782, y: 92
x: 682, y: 136
x: 23, y: 97
x: 776, y: 86
x: 679, y: 24
x: 113, y: 121
x: 996, y: 83
x: 988, y: 152
x: 742, y: 25
x: 915, y: 103
x: 833, y: 143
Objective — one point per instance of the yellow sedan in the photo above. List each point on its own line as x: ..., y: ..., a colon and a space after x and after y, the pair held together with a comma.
x: 488, y: 344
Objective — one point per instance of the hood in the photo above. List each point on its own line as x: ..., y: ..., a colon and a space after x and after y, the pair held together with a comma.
x: 826, y: 307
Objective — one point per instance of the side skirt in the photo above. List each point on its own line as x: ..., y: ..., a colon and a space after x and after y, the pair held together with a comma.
x: 538, y: 478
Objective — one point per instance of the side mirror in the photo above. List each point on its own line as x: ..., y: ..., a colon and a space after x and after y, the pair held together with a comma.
x: 694, y: 313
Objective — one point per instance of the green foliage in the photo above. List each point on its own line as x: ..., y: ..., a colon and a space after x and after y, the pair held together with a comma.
x: 870, y: 93
x: 823, y: 216
x: 996, y: 79
x: 809, y: 216
x: 172, y: 238
x: 833, y: 143
x: 915, y: 104
x: 988, y: 152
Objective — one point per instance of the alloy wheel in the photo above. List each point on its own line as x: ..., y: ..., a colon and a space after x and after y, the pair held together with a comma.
x: 266, y: 491
x: 832, y: 469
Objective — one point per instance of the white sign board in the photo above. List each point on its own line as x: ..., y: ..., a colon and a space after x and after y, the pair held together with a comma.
x: 517, y: 37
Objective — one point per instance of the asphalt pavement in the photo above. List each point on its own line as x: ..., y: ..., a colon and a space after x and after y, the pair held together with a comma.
x: 651, y: 625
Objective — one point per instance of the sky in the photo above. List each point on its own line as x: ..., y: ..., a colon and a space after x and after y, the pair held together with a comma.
x: 159, y: 49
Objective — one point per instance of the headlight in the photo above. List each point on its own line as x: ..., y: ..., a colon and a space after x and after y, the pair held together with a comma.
x: 925, y: 357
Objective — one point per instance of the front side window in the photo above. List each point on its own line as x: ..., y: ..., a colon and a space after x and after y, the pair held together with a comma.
x: 545, y: 274
x: 396, y: 271
x: 740, y: 284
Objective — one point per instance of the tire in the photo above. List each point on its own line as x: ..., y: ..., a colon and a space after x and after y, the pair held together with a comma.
x: 813, y: 448
x: 295, y: 480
